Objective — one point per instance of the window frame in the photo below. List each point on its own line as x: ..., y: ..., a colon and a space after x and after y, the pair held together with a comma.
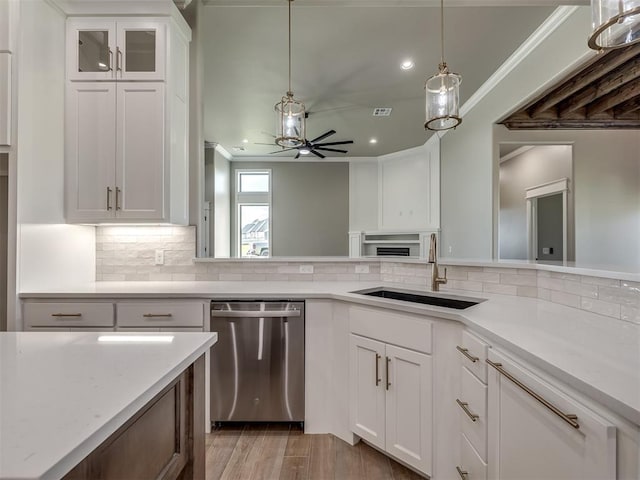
x: 251, y: 199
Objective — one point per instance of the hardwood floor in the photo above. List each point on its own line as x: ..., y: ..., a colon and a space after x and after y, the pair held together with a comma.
x: 273, y: 452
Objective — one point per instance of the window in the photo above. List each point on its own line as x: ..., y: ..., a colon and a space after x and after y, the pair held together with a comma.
x: 253, y: 213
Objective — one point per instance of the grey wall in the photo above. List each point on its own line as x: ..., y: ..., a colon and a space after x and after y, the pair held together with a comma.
x: 309, y: 209
x: 550, y: 227
x: 536, y: 166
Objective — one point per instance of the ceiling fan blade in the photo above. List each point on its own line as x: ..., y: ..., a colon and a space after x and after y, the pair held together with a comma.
x: 280, y: 151
x: 295, y: 129
x: 326, y: 144
x: 297, y: 156
x: 323, y: 136
x: 330, y: 149
x: 317, y: 154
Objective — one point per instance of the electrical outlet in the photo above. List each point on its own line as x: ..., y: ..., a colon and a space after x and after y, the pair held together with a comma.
x: 362, y: 268
x: 306, y: 268
x: 159, y: 257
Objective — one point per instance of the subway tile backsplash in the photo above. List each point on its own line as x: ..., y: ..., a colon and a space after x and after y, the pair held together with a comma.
x: 128, y: 254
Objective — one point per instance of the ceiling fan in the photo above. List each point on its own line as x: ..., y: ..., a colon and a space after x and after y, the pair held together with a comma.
x: 317, y: 146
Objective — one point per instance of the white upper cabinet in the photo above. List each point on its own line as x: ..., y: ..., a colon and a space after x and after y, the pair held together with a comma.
x: 6, y: 44
x: 116, y: 49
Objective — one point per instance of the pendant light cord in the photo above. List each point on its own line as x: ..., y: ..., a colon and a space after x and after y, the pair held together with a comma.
x: 442, y: 33
x: 290, y: 92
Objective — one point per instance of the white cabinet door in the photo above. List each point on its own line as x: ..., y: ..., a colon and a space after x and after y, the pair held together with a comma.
x: 140, y: 157
x: 409, y: 407
x: 367, y: 399
x: 91, y: 49
x: 5, y: 98
x: 90, y: 151
x: 141, y: 50
x: 5, y: 26
x: 527, y: 440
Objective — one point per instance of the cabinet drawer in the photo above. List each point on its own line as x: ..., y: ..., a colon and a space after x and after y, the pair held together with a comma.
x: 473, y: 353
x: 68, y: 314
x: 160, y: 314
x: 402, y: 330
x: 474, y: 395
x: 159, y: 329
x: 472, y: 464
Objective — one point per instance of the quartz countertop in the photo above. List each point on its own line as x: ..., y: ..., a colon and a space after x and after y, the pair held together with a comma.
x: 597, y: 355
x: 63, y: 394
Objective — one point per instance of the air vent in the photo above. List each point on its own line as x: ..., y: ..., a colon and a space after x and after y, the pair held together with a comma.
x: 382, y: 111
x: 238, y: 149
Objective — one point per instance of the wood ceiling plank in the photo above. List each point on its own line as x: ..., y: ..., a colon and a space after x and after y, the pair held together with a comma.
x: 614, y: 98
x: 594, y: 70
x: 627, y: 107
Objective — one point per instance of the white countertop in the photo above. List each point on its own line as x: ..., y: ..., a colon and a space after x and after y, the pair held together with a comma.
x: 597, y: 355
x: 63, y: 394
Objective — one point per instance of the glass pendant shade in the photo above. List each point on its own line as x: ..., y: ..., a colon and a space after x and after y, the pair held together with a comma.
x: 290, y: 118
x: 616, y: 23
x: 443, y: 100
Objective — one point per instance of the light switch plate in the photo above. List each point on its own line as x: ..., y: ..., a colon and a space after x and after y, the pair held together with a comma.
x: 306, y: 268
x: 159, y: 257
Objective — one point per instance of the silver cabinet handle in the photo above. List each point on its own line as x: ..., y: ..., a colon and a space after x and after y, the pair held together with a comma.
x: 465, y: 352
x: 463, y: 474
x: 110, y: 60
x: 157, y: 315
x: 465, y: 407
x: 109, y: 198
x: 59, y: 315
x: 387, y: 372
x: 570, y: 418
x: 118, y: 198
x: 255, y: 314
x: 118, y: 59
x: 378, y: 357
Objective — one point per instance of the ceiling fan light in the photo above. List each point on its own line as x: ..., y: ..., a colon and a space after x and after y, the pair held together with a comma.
x: 616, y: 23
x: 305, y: 151
x: 442, y: 106
x: 290, y: 122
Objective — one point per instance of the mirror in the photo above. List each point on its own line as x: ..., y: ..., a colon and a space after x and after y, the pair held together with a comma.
x: 576, y: 202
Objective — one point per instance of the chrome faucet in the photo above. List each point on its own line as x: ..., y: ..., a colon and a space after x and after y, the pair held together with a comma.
x: 433, y: 259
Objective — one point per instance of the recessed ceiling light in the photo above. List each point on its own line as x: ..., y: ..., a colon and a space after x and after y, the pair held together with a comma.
x: 407, y: 65
x: 305, y: 151
x: 373, y: 140
x: 246, y: 140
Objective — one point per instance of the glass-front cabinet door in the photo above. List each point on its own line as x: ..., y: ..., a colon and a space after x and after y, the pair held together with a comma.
x: 141, y: 50
x: 113, y: 49
x: 91, y: 50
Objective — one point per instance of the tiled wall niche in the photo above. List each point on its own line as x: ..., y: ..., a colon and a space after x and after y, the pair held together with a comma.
x: 128, y: 254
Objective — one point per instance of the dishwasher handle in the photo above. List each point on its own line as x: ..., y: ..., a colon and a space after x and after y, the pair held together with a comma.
x: 255, y: 314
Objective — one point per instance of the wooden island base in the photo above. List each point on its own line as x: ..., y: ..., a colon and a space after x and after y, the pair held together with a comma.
x: 164, y: 440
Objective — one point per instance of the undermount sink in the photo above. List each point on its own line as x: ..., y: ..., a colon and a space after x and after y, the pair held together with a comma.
x: 447, y: 301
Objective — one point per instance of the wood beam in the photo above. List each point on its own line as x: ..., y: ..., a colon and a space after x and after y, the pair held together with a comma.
x: 614, y: 98
x: 595, y: 69
x: 627, y: 107
x: 561, y: 124
x: 615, y: 79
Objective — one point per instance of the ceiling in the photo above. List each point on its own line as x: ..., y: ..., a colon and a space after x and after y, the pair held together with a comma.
x: 346, y: 62
x: 604, y: 93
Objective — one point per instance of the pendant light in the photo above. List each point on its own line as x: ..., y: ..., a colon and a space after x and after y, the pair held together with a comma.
x: 290, y: 113
x: 616, y: 23
x: 442, y: 92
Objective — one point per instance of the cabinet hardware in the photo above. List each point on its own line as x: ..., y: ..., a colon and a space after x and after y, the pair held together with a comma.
x: 58, y: 315
x: 465, y: 352
x: 463, y: 474
x: 118, y: 59
x: 255, y: 313
x: 118, y: 198
x: 571, y: 419
x: 378, y: 379
x: 157, y: 315
x: 387, y: 372
x: 110, y: 60
x: 465, y: 407
x: 109, y: 198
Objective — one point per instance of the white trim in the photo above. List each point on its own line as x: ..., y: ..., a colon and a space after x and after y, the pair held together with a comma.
x: 516, y: 152
x: 223, y: 151
x: 549, y: 188
x: 397, y: 3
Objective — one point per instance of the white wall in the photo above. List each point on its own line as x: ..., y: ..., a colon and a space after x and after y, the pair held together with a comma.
x: 606, y: 165
x: 49, y: 251
x: 469, y: 153
x: 538, y: 165
x: 363, y: 195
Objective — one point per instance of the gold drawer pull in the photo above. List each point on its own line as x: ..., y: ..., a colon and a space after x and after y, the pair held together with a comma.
x: 570, y: 418
x: 157, y: 315
x: 465, y: 407
x: 465, y: 352
x: 66, y: 315
x: 463, y: 474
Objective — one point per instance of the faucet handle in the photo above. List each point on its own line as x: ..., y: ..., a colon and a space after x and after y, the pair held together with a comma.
x: 444, y: 279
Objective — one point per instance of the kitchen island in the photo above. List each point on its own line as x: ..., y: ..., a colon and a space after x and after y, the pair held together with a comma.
x: 102, y: 405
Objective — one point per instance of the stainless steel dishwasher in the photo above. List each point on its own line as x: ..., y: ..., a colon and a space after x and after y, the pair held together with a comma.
x: 257, y: 366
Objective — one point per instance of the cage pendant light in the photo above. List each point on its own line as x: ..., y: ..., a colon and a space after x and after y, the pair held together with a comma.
x: 290, y: 113
x: 616, y: 23
x: 442, y: 92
